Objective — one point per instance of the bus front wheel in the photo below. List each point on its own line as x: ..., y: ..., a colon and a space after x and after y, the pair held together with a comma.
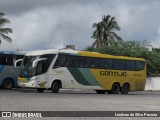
x: 40, y: 90
x: 125, y: 89
x: 7, y: 84
x: 55, y: 87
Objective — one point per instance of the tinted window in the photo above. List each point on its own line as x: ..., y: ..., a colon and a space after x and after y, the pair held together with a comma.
x: 2, y: 60
x: 130, y: 65
x: 16, y: 57
x: 92, y: 63
x: 106, y: 63
x: 46, y: 63
x: 19, y: 57
x: 118, y: 64
x: 40, y: 68
x: 9, y: 60
x: 77, y: 61
x: 140, y: 65
x: 6, y: 59
x: 62, y: 61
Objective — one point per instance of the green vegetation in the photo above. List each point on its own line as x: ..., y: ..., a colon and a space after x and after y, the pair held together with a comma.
x: 4, y: 31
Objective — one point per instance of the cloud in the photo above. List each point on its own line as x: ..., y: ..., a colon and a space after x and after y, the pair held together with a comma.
x: 45, y: 28
x: 56, y: 23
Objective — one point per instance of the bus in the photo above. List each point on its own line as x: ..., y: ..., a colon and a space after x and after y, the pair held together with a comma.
x: 8, y: 73
x: 73, y: 69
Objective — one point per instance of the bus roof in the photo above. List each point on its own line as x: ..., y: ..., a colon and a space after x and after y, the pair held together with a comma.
x: 99, y: 55
x: 79, y: 53
x: 42, y: 52
x: 96, y: 54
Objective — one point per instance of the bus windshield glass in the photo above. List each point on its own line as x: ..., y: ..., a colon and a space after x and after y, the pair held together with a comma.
x: 27, y: 71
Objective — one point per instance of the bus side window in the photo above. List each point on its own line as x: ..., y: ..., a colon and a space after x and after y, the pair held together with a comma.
x: 62, y: 61
x: 119, y: 64
x: 106, y: 63
x: 9, y: 60
x: 65, y: 61
x: 82, y: 62
x: 3, y: 60
x: 140, y: 65
x: 77, y: 61
x: 130, y: 65
x: 57, y: 62
x: 48, y: 61
x: 40, y: 68
x: 74, y: 62
x: 92, y: 62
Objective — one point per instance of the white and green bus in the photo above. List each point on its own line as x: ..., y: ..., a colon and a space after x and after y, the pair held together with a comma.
x: 8, y: 73
x: 72, y: 69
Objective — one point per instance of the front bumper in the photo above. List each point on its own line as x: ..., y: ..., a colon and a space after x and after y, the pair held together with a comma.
x: 31, y: 84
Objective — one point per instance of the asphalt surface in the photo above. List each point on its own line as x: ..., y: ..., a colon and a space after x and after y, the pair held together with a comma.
x: 20, y: 99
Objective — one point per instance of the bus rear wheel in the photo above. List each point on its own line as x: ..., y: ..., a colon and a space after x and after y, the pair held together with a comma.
x: 115, y: 88
x: 100, y: 91
x: 7, y: 84
x: 55, y: 87
x: 125, y: 89
x: 40, y: 90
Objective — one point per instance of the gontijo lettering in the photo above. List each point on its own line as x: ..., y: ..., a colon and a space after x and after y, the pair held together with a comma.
x: 111, y: 73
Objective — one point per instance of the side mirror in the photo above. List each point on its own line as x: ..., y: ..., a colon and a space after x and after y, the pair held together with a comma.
x: 15, y: 63
x: 34, y: 64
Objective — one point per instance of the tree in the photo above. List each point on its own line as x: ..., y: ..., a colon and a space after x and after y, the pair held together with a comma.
x: 4, y: 31
x: 104, y: 33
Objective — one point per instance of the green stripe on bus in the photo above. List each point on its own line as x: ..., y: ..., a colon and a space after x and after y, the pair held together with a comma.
x: 78, y: 76
x: 89, y: 76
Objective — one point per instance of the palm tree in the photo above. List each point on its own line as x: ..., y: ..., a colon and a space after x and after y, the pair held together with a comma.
x: 97, y: 35
x: 104, y: 34
x: 4, y: 31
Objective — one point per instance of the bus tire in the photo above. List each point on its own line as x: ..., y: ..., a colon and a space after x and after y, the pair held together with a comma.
x: 100, y: 91
x: 55, y: 87
x: 125, y: 88
x: 40, y: 90
x: 115, y: 88
x: 8, y: 84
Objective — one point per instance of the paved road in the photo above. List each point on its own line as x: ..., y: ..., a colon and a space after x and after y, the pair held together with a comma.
x: 67, y: 100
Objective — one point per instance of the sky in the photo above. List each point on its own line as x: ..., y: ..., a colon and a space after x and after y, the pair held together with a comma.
x: 53, y: 24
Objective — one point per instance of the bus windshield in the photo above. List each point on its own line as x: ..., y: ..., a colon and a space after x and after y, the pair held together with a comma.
x: 27, y: 71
